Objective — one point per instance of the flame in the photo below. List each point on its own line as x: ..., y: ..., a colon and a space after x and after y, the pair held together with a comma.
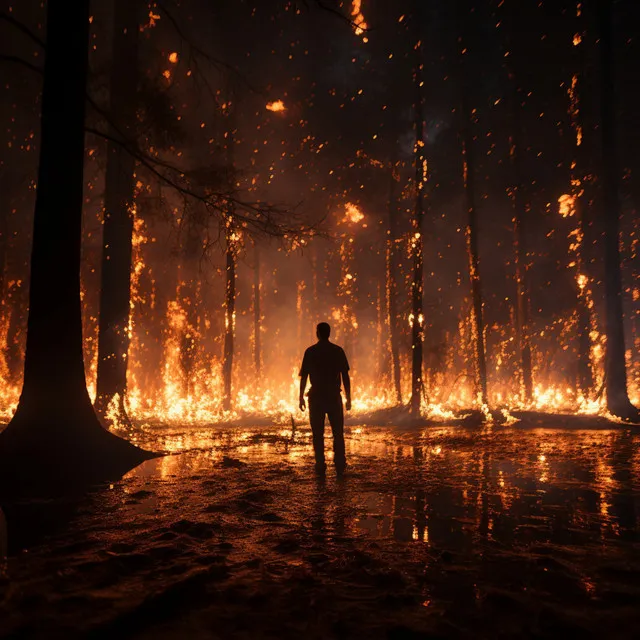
x: 358, y: 20
x: 352, y: 213
x: 276, y: 105
x: 567, y: 205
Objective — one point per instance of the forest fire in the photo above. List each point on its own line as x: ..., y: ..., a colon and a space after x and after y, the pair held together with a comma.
x: 319, y: 318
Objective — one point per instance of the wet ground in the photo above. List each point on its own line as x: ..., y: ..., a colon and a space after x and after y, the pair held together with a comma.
x: 442, y: 531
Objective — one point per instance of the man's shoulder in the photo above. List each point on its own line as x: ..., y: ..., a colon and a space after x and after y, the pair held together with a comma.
x: 337, y: 348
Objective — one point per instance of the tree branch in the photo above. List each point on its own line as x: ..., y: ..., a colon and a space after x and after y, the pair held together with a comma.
x: 216, y: 62
x: 22, y: 27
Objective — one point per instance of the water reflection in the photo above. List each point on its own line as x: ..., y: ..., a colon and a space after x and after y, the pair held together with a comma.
x: 444, y: 519
x: 448, y: 486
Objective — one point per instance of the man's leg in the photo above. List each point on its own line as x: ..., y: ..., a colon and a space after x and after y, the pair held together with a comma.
x: 316, y: 419
x: 336, y: 419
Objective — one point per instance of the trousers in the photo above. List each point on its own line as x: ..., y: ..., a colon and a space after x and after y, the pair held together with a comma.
x: 319, y: 407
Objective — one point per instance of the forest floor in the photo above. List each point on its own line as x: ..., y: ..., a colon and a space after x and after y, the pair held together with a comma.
x: 482, y: 532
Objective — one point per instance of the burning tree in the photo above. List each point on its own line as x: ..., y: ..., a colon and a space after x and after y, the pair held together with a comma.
x: 416, y: 318
x: 119, y: 211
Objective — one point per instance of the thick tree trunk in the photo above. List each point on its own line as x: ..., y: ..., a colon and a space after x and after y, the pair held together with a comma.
x: 55, y: 435
x: 615, y: 363
x: 115, y: 298
x: 474, y: 260
x: 392, y: 287
x: 417, y: 245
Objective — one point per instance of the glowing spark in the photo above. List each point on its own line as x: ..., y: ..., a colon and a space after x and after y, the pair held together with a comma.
x: 567, y: 204
x: 276, y: 105
x: 352, y: 213
x: 173, y: 57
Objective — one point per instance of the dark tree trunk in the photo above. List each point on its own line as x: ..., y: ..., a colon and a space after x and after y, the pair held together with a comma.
x: 115, y: 291
x: 417, y: 245
x: 188, y: 297
x: 472, y: 247
x: 520, y: 211
x: 584, y: 303
x: 468, y: 159
x: 257, y: 317
x: 229, y: 316
x: 615, y: 366
x: 392, y: 287
x: 55, y: 435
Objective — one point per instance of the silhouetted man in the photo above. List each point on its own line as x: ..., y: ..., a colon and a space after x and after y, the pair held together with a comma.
x: 325, y: 363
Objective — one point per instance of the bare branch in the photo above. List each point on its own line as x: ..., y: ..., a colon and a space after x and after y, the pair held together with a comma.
x: 22, y: 62
x: 216, y: 62
x: 22, y: 27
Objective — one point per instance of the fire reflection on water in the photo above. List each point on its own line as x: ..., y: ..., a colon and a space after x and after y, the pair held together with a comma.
x: 442, y: 485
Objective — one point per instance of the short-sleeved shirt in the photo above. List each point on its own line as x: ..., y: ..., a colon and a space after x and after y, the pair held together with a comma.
x: 324, y: 363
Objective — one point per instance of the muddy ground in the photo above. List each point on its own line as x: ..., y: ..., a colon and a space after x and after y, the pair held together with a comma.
x: 434, y: 532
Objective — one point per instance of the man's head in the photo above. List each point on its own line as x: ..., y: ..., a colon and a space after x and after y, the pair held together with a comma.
x: 323, y: 331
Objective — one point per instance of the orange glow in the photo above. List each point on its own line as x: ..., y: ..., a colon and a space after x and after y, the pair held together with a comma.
x: 358, y: 19
x: 352, y: 213
x: 276, y: 105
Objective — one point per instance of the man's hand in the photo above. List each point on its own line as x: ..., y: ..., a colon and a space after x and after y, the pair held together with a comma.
x: 348, y: 404
x: 303, y: 404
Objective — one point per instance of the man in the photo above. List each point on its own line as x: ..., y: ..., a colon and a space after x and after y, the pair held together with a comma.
x: 326, y: 363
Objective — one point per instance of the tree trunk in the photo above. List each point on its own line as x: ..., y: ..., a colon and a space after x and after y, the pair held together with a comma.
x: 584, y: 298
x: 472, y: 248
x: 113, y: 331
x: 229, y: 316
x: 520, y: 211
x: 257, y: 318
x: 417, y: 245
x: 55, y: 435
x: 468, y: 170
x: 615, y: 366
x: 392, y: 287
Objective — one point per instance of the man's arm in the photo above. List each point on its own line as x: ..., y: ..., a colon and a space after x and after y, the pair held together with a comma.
x: 303, y: 386
x: 346, y: 381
